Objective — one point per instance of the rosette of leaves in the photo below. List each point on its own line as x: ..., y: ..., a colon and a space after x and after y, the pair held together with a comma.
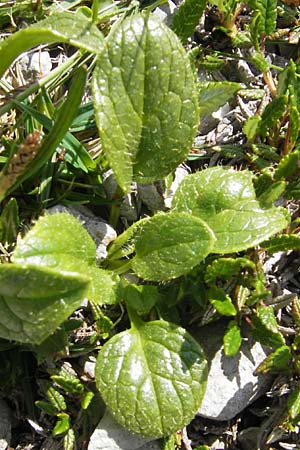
x: 213, y: 211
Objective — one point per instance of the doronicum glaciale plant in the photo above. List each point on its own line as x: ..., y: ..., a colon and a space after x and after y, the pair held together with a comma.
x: 152, y: 376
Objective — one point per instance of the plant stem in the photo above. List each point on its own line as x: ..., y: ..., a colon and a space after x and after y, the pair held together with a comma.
x: 135, y: 320
x: 95, y: 9
x: 115, y: 208
x: 270, y: 82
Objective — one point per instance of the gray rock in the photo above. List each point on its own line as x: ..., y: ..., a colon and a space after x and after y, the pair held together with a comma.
x: 180, y: 173
x: 231, y: 384
x: 101, y: 232
x: 35, y: 65
x: 130, y: 205
x: 109, y: 435
x: 5, y: 425
x: 166, y: 11
x: 151, y: 197
x: 248, y: 438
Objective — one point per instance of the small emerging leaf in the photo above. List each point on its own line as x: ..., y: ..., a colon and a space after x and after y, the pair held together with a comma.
x: 152, y: 378
x: 294, y: 403
x: 62, y: 425
x: 187, y: 18
x: 267, y: 10
x: 265, y: 327
x: 214, y: 94
x: 9, y: 222
x: 277, y: 361
x: 282, y: 243
x: 232, y: 339
x: 46, y: 407
x: 221, y: 301
x: 86, y: 399
x: 287, y: 166
x: 226, y: 268
x: 70, y: 440
x: 270, y: 195
x: 56, y: 399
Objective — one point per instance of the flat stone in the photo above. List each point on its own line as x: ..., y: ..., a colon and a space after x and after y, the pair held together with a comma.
x: 109, y: 435
x: 5, y: 425
x: 232, y: 384
x: 151, y: 197
x: 35, y: 65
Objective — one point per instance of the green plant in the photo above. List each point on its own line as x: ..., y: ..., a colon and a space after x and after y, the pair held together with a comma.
x: 44, y: 283
x: 146, y: 102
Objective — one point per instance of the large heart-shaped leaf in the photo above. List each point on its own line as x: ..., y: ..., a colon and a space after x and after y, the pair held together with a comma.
x: 145, y: 100
x: 170, y: 245
x: 35, y: 301
x: 225, y: 199
x: 75, y: 29
x: 152, y: 377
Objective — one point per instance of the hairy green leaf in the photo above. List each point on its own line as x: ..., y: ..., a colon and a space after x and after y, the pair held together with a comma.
x: 225, y: 199
x: 145, y: 100
x: 277, y: 361
x: 104, y: 286
x: 74, y: 29
x: 287, y: 166
x: 211, y: 191
x: 170, y: 245
x: 152, y: 378
x: 273, y: 113
x: 214, y: 94
x: 265, y: 328
x: 265, y: 15
x: 221, y: 301
x: 187, y: 18
x: 62, y: 425
x: 226, y: 268
x: 59, y: 241
x: 232, y: 339
x: 282, y: 243
x: 53, y: 235
x: 70, y: 440
x: 34, y: 301
x: 245, y: 226
x: 294, y: 403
